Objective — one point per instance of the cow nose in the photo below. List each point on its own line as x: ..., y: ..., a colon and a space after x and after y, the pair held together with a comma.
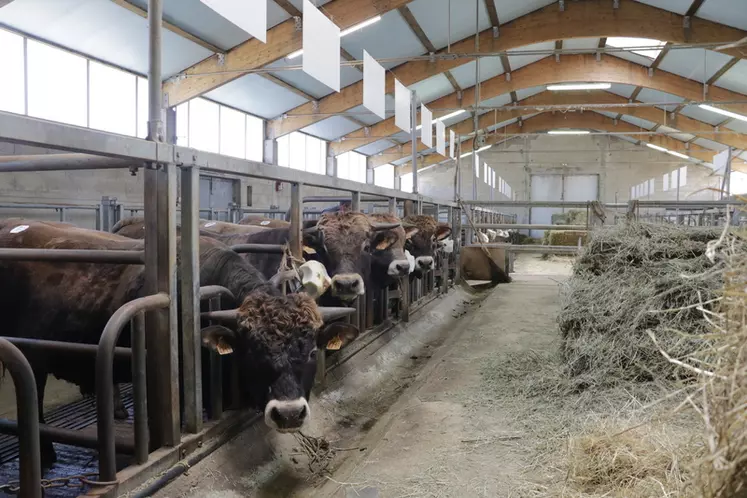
x: 347, y: 284
x: 403, y: 268
x: 287, y: 416
x: 425, y: 263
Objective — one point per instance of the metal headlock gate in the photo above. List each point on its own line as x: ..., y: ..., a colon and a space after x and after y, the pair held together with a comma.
x: 167, y: 375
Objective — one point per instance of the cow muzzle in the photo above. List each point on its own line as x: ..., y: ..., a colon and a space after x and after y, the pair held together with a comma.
x: 399, y: 268
x: 287, y: 415
x: 348, y: 286
x: 425, y: 263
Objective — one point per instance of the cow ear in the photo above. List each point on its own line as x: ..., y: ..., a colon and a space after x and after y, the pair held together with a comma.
x: 336, y: 336
x: 443, y: 231
x: 218, y: 338
x: 383, y: 240
x: 410, y: 231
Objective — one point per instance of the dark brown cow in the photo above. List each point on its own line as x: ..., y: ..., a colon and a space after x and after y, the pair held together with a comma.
x: 387, y: 266
x: 423, y: 243
x: 264, y: 222
x: 274, y: 342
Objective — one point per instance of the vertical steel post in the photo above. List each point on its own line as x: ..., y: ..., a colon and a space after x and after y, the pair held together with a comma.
x: 359, y: 317
x: 216, y: 373
x: 413, y: 139
x: 393, y: 205
x: 355, y: 201
x: 190, y: 300
x: 139, y: 381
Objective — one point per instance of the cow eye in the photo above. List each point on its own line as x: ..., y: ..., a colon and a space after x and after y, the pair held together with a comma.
x: 312, y: 354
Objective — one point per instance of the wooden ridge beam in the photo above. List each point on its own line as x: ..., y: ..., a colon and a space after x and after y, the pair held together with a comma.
x: 588, y: 120
x: 589, y: 19
x: 282, y: 40
x: 681, y: 123
x: 572, y: 68
x: 289, y: 8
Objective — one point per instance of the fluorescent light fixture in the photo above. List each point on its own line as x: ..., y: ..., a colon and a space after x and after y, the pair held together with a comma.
x: 678, y: 154
x: 351, y: 29
x: 723, y: 112
x: 662, y: 149
x: 442, y: 118
x: 579, y: 86
x: 465, y: 155
x: 568, y: 132
x: 656, y: 147
x: 484, y: 148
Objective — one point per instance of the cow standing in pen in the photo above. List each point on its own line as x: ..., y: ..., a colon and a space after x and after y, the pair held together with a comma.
x: 274, y: 339
x: 423, y: 244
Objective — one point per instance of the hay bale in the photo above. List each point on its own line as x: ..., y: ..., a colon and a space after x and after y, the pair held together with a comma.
x: 631, y: 280
x: 571, y: 217
x: 564, y: 238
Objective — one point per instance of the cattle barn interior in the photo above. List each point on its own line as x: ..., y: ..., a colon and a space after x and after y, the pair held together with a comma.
x: 356, y: 248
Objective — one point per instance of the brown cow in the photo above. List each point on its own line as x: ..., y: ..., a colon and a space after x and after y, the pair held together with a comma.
x: 263, y: 221
x: 423, y: 243
x: 225, y: 228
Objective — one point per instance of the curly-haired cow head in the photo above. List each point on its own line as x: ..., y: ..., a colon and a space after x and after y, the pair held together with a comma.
x: 422, y: 244
x: 345, y: 243
x: 275, y: 342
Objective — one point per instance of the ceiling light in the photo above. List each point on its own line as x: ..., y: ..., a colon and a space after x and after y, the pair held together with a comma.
x: 678, y: 154
x: 484, y: 148
x: 346, y: 32
x: 724, y: 112
x: 449, y: 116
x: 465, y: 155
x: 568, y: 132
x: 662, y: 149
x: 656, y: 147
x: 579, y: 86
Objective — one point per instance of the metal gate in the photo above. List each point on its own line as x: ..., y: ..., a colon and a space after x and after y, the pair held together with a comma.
x: 217, y: 198
x: 575, y: 188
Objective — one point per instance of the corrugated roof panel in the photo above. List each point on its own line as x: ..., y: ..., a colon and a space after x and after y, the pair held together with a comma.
x: 503, y: 124
x: 672, y: 132
x: 490, y: 67
x: 608, y: 114
x: 737, y: 125
x: 519, y: 61
x: 710, y: 144
x: 735, y: 79
x: 432, y: 88
x: 390, y: 37
x: 630, y: 56
x: 306, y: 83
x: 196, y: 18
x: 677, y: 6
x: 504, y: 99
x: 709, y: 117
x: 376, y: 147
x: 331, y: 128
x: 730, y: 12
x: 401, y: 136
x: 256, y: 95
x: 456, y: 119
x: 640, y: 123
x: 364, y: 115
x: 100, y: 29
x: 581, y: 43
x: 694, y: 63
x: 622, y: 90
x: 433, y: 17
x: 508, y: 10
x: 649, y: 95
x: 318, y: 3
x: 626, y: 138
x: 525, y: 93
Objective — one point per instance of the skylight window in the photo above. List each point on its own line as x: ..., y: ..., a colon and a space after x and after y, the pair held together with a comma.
x: 646, y: 43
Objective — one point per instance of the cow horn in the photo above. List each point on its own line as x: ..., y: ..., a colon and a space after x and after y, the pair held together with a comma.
x: 407, y: 224
x: 224, y: 316
x: 311, y: 230
x: 281, y: 277
x: 332, y: 313
x: 385, y: 226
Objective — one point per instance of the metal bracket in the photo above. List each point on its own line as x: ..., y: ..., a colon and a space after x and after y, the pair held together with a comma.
x: 298, y: 23
x: 221, y: 59
x: 599, y: 56
x: 315, y: 105
x: 614, y: 121
x: 686, y: 22
x: 496, y: 32
x: 557, y: 57
x: 459, y: 95
x: 366, y: 131
x: 432, y: 57
x: 615, y: 4
x: 651, y: 72
x: 561, y: 5
x: 508, y: 76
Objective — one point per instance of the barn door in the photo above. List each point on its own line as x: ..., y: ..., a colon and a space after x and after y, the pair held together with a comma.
x: 217, y: 195
x: 572, y: 188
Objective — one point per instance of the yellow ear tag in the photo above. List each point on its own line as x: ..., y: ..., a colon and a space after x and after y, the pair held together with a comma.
x: 223, y: 348
x: 335, y: 343
x: 309, y: 250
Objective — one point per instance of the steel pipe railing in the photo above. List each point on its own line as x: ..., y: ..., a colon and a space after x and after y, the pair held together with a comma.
x: 28, y: 418
x: 537, y: 249
x: 26, y: 344
x: 67, y: 436
x: 73, y: 255
x: 105, y: 377
x: 520, y: 226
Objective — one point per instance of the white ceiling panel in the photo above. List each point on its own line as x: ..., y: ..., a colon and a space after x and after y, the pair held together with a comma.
x: 100, y: 29
x: 630, y: 56
x: 607, y: 114
x: 433, y: 17
x: 730, y: 12
x: 525, y: 93
x: 622, y: 90
x: 678, y: 6
x: 500, y: 100
x: 710, y: 144
x: 627, y: 138
x: 503, y: 124
x: 737, y: 125
x: 490, y: 67
x: 709, y: 117
x: 376, y: 147
x: 735, y: 79
x: 508, y: 10
x: 364, y: 115
x: 694, y: 63
x: 299, y: 3
x: 640, y: 123
x: 195, y: 17
x: 401, y: 137
x: 581, y: 43
x: 331, y: 128
x: 649, y: 95
x: 684, y: 137
x: 306, y: 83
x: 256, y: 95
x: 390, y: 37
x: 519, y: 61
x: 432, y: 88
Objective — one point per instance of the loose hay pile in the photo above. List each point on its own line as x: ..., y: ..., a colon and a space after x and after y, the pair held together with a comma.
x: 629, y: 280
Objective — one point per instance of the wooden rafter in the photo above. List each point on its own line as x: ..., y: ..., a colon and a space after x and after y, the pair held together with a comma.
x: 682, y: 123
x: 733, y: 62
x: 289, y: 8
x: 282, y: 40
x: 578, y: 20
x: 547, y: 71
x: 287, y: 86
x: 694, y: 7
x: 416, y: 29
x: 493, y: 13
x: 453, y: 81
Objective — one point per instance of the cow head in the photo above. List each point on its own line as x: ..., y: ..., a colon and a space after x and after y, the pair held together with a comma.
x: 345, y: 243
x: 388, y: 258
x: 424, y: 240
x: 275, y: 340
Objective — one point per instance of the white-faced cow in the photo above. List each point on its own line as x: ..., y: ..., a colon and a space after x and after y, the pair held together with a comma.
x: 274, y: 342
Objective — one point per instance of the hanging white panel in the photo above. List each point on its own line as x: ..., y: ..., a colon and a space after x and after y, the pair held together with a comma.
x: 401, y: 105
x: 720, y: 161
x: 374, y: 81
x: 249, y: 15
x: 683, y: 176
x: 665, y: 180
x: 441, y: 138
x: 452, y: 144
x: 426, y: 126
x: 321, y: 47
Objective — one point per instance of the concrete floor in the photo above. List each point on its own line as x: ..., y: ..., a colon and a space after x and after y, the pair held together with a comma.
x: 409, y: 422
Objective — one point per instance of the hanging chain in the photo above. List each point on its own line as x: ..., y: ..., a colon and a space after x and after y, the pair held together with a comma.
x: 75, y: 481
